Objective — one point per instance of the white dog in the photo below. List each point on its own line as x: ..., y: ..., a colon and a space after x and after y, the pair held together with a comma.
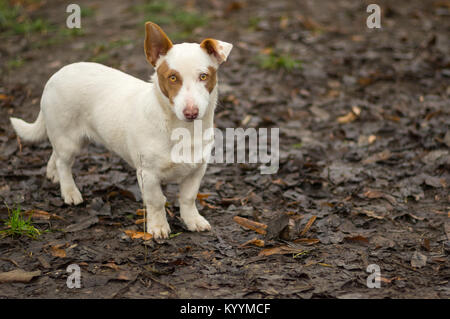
x: 90, y: 102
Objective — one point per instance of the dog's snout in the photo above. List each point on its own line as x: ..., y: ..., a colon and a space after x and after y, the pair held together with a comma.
x: 190, y: 112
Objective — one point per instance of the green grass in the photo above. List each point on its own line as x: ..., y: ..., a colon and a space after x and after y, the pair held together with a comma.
x: 165, y: 13
x: 15, y: 63
x: 253, y: 23
x: 275, y: 60
x: 87, y: 12
x: 18, y: 226
x: 14, y: 20
x: 101, y: 51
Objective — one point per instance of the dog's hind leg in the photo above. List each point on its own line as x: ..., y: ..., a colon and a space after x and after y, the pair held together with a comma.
x: 66, y: 149
x: 52, y: 172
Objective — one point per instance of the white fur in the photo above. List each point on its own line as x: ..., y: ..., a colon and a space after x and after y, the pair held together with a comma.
x: 91, y: 102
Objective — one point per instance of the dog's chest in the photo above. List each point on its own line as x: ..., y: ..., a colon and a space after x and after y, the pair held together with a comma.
x: 175, y: 172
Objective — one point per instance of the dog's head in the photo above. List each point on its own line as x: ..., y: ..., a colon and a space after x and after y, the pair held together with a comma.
x: 186, y: 72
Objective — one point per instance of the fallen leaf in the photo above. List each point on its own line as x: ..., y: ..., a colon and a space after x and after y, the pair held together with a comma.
x: 358, y: 239
x: 201, y: 199
x: 58, y: 252
x: 133, y: 234
x: 111, y: 265
x: 83, y: 224
x: 375, y: 194
x: 280, y: 250
x: 40, y: 214
x: 4, y: 97
x: 250, y: 224
x: 254, y: 241
x: 276, y: 226
x: 378, y: 157
x: 418, y: 260
x: 308, y: 225
x: 203, y: 196
x: 349, y: 117
x: 371, y: 213
x: 307, y: 241
x: 18, y: 275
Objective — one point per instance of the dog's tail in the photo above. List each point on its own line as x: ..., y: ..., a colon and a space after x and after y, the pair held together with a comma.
x: 34, y: 132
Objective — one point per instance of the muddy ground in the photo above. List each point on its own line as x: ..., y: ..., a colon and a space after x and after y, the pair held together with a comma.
x: 364, y: 154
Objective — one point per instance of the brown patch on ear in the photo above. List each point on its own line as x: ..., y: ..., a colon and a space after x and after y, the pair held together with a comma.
x: 211, y: 47
x: 156, y: 42
x: 212, y: 79
x: 168, y: 88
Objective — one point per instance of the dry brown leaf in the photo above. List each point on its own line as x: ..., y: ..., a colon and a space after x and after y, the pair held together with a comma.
x: 254, y: 241
x: 371, y: 213
x: 203, y: 196
x: 41, y: 214
x: 280, y: 250
x: 139, y: 221
x: 307, y: 241
x: 18, y: 275
x: 349, y: 117
x: 140, y: 212
x: 4, y: 97
x: 111, y: 265
x: 57, y: 251
x: 358, y: 239
x: 250, y: 224
x: 381, y: 156
x: 133, y: 234
x: 308, y: 225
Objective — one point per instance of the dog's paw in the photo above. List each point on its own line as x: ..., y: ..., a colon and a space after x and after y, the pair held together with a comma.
x: 72, y: 196
x: 197, y: 223
x: 54, y: 178
x: 159, y: 230
x: 52, y: 175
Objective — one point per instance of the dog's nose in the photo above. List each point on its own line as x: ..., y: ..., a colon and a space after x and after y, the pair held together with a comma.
x: 190, y: 113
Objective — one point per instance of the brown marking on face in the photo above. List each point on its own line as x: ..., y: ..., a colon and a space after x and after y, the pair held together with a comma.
x: 212, y: 79
x: 168, y: 88
x: 212, y: 47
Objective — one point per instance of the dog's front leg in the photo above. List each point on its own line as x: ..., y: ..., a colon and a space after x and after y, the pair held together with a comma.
x: 155, y: 202
x: 188, y: 193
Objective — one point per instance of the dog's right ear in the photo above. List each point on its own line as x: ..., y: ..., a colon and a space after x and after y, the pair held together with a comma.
x: 156, y: 42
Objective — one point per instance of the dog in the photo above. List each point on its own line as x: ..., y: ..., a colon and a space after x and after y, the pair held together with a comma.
x: 87, y: 101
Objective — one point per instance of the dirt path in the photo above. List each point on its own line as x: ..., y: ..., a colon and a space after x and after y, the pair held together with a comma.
x: 364, y: 154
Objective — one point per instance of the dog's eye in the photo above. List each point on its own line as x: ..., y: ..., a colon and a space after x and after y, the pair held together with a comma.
x: 203, y: 77
x: 173, y: 78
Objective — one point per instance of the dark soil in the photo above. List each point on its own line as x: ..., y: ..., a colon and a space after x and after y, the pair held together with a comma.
x: 364, y: 147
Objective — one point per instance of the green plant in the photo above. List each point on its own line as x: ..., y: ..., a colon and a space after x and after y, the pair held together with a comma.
x: 17, y: 225
x: 164, y: 12
x: 15, y: 63
x: 14, y: 20
x: 275, y: 60
x: 87, y: 12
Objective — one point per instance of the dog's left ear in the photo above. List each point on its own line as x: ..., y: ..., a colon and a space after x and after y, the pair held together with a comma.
x: 218, y: 50
x: 156, y: 42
